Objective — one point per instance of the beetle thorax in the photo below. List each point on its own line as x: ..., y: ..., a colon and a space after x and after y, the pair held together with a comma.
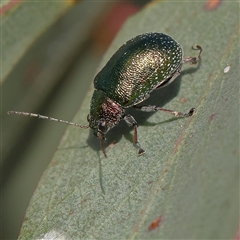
x: 104, y: 113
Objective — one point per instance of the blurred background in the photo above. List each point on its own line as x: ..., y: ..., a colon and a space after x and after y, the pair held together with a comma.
x: 49, y: 55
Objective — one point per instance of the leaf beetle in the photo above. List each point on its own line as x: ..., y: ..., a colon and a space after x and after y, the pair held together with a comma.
x: 143, y: 64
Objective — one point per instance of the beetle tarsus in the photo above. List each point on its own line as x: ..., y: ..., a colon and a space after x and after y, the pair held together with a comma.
x: 190, y: 113
x: 194, y: 60
x: 141, y: 151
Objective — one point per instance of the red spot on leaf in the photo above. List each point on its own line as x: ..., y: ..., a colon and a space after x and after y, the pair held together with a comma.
x: 156, y: 223
x: 113, y: 21
x: 183, y: 100
x: 212, y: 116
x: 211, y: 5
x: 237, y: 236
x: 178, y: 143
x: 8, y: 6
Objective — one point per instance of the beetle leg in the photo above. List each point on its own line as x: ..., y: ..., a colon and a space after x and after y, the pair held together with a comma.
x: 101, y: 138
x: 175, y: 113
x: 132, y: 122
x: 194, y: 60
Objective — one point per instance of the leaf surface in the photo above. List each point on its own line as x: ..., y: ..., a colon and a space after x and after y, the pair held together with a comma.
x: 187, y: 183
x: 21, y: 24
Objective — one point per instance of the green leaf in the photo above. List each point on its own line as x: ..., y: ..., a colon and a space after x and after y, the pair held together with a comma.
x: 190, y: 173
x: 53, y: 75
x: 21, y: 24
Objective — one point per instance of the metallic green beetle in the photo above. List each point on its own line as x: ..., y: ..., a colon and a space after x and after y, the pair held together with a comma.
x: 145, y: 63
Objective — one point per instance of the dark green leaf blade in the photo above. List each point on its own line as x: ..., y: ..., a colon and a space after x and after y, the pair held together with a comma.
x: 21, y: 24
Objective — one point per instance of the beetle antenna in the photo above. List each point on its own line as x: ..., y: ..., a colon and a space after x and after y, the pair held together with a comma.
x: 194, y: 60
x: 47, y: 118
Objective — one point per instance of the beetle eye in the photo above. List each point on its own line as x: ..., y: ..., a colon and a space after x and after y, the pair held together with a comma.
x: 102, y: 127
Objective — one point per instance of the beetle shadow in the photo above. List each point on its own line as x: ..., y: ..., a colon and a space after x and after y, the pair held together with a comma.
x: 159, y: 98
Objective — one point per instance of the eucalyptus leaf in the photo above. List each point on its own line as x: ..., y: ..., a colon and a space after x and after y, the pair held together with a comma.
x: 21, y: 24
x: 189, y: 176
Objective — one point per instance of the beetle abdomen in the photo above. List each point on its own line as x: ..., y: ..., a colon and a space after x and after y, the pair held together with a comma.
x: 138, y: 67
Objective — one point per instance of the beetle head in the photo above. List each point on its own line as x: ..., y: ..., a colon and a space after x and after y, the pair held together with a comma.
x: 104, y: 114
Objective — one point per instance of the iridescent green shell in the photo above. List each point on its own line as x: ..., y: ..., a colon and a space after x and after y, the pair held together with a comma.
x: 141, y: 65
